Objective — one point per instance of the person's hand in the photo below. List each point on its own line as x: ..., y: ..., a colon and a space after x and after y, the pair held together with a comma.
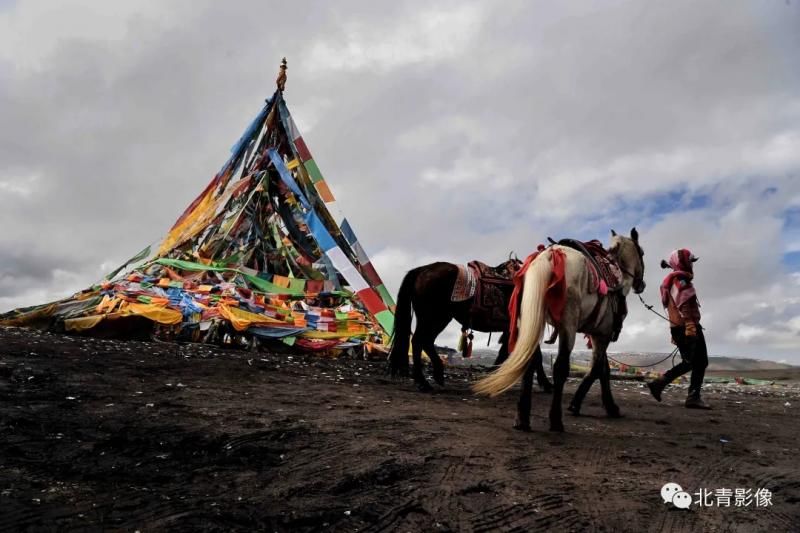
x: 691, y: 329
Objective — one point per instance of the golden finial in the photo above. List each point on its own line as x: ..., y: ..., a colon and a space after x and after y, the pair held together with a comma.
x: 281, y: 81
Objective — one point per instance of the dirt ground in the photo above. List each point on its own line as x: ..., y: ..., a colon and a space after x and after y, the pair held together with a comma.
x: 98, y: 434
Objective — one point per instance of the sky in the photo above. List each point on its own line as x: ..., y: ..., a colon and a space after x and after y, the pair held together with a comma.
x: 447, y: 131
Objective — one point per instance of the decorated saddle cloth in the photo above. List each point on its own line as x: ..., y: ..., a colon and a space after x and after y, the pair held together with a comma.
x: 605, y: 270
x: 464, y: 289
x: 490, y: 289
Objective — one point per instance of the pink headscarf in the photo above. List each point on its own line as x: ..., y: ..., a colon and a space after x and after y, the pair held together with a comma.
x: 678, y: 283
x: 682, y: 260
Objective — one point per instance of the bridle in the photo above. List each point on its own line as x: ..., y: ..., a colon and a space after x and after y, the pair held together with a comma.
x: 637, y: 280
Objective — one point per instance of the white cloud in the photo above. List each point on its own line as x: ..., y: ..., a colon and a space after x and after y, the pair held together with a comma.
x: 747, y: 333
x: 469, y: 169
x: 19, y: 186
x: 429, y: 34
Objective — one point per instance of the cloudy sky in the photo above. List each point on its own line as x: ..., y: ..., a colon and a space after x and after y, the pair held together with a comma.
x: 447, y: 130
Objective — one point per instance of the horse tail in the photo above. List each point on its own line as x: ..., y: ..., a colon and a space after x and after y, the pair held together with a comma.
x: 531, y: 328
x: 404, y: 311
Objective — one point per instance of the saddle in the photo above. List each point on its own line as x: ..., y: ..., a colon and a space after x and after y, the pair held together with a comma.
x: 493, y: 288
x: 604, y: 265
x: 605, y: 269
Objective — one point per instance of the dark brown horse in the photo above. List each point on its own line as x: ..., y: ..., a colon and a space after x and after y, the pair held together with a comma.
x: 426, y: 291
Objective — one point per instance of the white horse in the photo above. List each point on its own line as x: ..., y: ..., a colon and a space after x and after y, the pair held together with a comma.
x: 585, y: 311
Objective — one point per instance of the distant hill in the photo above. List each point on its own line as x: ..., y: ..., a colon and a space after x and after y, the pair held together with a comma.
x: 737, y: 363
x: 484, y: 356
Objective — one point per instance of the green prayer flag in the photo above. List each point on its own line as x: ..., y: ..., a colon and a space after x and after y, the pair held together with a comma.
x: 289, y: 340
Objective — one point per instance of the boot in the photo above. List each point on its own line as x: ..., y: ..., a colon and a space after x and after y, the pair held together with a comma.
x: 694, y: 401
x: 657, y: 387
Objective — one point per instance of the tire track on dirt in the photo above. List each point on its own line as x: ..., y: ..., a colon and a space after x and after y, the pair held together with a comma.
x: 323, y: 452
x: 543, y: 511
x: 775, y: 516
x: 47, y: 517
x: 437, y: 496
x: 501, y: 516
x: 447, y: 495
x: 674, y: 520
x: 595, y: 464
x: 146, y: 514
x: 14, y: 520
x: 390, y: 520
x: 709, y: 471
x: 560, y: 514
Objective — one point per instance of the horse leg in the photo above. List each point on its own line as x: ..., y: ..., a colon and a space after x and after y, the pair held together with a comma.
x: 612, y: 409
x: 586, y: 384
x: 523, y: 422
x: 541, y: 377
x: 436, y: 361
x: 502, y: 354
x: 417, y: 343
x: 566, y: 340
x: 427, y: 338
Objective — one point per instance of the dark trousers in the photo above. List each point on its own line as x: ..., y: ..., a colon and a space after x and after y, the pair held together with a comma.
x: 694, y: 355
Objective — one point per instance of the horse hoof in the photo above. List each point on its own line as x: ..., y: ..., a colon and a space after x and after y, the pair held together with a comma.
x: 557, y: 428
x: 522, y: 427
x: 576, y: 411
x: 614, y: 413
x: 398, y: 372
x: 424, y: 387
x: 439, y: 380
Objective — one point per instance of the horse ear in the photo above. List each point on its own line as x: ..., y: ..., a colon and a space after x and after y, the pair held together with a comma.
x: 634, y: 235
x: 613, y: 233
x: 664, y: 264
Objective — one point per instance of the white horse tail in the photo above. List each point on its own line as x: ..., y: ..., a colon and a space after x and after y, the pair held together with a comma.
x: 531, y: 328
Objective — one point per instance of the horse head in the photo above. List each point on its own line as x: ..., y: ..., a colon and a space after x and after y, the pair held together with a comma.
x: 630, y: 257
x: 510, y: 267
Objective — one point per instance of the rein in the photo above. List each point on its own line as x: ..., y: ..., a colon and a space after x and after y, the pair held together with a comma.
x: 672, y: 354
x: 650, y: 308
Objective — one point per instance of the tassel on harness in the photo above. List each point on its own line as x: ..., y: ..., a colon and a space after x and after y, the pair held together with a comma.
x: 465, y: 343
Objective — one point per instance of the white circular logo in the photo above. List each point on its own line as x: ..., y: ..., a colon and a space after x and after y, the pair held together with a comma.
x: 669, y: 490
